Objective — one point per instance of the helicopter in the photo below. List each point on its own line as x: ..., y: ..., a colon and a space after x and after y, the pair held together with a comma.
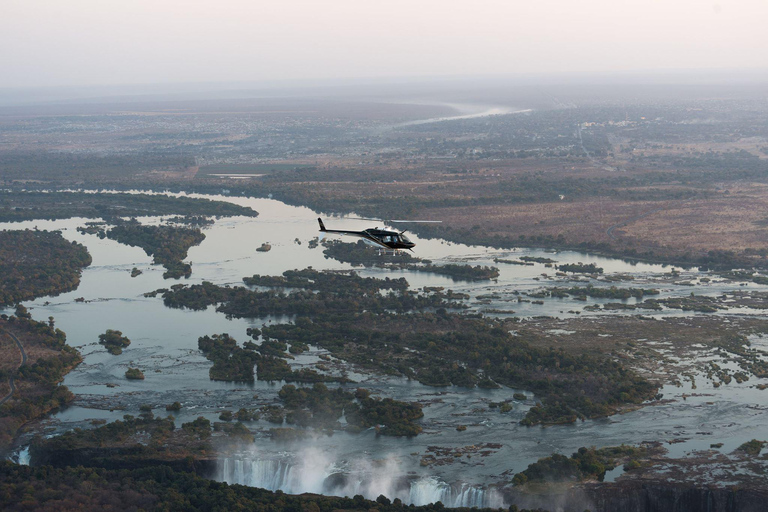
x: 395, y: 240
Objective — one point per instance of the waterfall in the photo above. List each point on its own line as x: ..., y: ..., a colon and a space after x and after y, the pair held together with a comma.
x: 430, y: 490
x: 268, y: 474
x: 20, y: 457
x: 24, y: 456
x: 470, y: 496
x: 314, y: 473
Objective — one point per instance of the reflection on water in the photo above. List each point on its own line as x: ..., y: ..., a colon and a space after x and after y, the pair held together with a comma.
x: 164, y: 345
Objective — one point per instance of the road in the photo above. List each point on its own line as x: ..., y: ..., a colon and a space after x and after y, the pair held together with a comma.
x: 596, y: 163
x: 23, y: 362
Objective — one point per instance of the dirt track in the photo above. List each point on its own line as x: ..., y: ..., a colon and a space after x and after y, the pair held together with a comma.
x: 23, y: 362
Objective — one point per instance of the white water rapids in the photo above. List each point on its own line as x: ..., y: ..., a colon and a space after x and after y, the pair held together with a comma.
x: 313, y: 472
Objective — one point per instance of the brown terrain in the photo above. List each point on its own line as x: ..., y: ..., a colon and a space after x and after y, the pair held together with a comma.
x: 35, y: 394
x: 725, y: 217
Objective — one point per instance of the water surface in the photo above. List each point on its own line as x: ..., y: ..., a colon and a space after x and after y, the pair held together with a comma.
x: 164, y: 346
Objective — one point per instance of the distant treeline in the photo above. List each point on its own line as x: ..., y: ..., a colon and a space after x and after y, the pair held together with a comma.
x: 18, y: 206
x: 67, y: 166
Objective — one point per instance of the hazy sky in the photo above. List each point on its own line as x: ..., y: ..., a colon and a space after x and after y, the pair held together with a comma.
x: 92, y: 42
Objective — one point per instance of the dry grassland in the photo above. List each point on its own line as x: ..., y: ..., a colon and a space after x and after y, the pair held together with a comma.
x: 733, y: 221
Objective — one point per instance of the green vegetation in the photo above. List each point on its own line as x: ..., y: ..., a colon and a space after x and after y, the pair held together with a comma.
x: 160, y: 472
x: 585, y: 464
x: 168, y: 245
x: 512, y: 262
x: 198, y: 221
x: 163, y: 488
x: 241, y: 302
x: 114, y: 445
x: 134, y: 374
x: 298, y: 348
x: 200, y: 427
x: 347, y: 282
x: 737, y: 347
x: 445, y: 349
x: 93, y: 228
x: 37, y: 263
x: 599, y: 292
x: 646, y: 304
x: 247, y: 415
x: 581, y: 268
x: 234, y: 363
x: 174, y: 407
x: 698, y: 303
x: 271, y: 368
x: 536, y: 259
x: 288, y: 435
x: 460, y: 272
x: 114, y: 341
x: 691, y: 151
x: 273, y: 414
x: 753, y: 447
x: 235, y: 431
x: 321, y: 408
x: 436, y: 348
x: 17, y: 206
x: 363, y: 254
x: 230, y: 362
x: 37, y: 383
x: 136, y: 272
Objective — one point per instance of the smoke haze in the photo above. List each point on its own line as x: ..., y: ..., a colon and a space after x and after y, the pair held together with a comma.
x: 92, y: 42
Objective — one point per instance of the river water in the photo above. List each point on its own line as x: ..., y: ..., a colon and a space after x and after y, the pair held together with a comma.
x: 492, y: 448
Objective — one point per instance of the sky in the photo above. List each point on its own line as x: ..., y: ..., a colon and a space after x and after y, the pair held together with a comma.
x: 46, y: 43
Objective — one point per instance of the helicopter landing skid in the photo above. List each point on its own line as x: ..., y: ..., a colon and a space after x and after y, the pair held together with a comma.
x: 390, y: 252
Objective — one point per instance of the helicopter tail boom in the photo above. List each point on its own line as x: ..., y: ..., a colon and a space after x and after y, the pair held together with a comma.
x: 339, y: 231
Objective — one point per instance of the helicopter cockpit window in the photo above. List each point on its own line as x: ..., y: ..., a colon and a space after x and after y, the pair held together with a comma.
x: 404, y: 238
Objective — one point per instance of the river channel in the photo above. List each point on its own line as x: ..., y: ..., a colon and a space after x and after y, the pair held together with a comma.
x: 164, y: 346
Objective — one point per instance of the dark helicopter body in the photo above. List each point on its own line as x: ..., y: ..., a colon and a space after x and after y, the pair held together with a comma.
x: 382, y: 237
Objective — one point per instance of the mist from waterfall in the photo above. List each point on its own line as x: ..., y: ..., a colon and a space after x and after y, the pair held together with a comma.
x: 315, y: 472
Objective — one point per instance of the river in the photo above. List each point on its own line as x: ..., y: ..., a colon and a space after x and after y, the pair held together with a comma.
x: 164, y: 346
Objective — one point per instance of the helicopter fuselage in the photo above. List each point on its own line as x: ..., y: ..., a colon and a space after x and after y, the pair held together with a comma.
x: 382, y: 237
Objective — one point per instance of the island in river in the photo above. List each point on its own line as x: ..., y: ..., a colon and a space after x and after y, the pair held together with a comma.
x: 400, y: 322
